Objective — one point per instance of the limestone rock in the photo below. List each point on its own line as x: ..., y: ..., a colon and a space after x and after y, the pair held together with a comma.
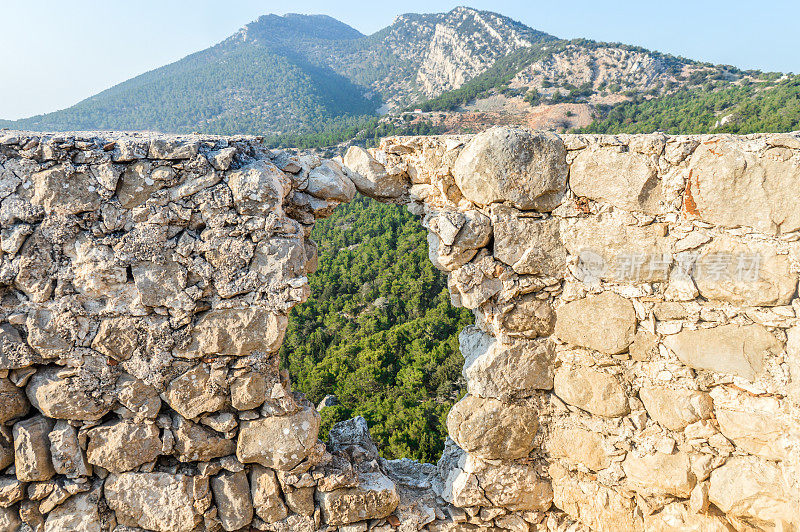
x: 122, y: 446
x: 232, y: 496
x: 370, y: 176
x: 660, y: 473
x: 9, y: 519
x: 238, y: 332
x: 755, y: 490
x: 66, y: 393
x: 529, y: 317
x: 454, y: 238
x: 264, y: 441
x: 13, y: 403
x: 724, y: 173
x: 194, y: 392
x: 160, y: 285
x: 352, y: 436
x: 67, y: 455
x: 589, y: 389
x: 526, y: 168
x: 14, y: 352
x: 266, y: 495
x: 195, y: 443
x: 258, y: 188
x: 32, y: 449
x: 491, y: 429
x: 63, y: 190
x: 11, y: 491
x: 140, y: 398
x: 173, y: 148
x: 510, y: 485
x: 678, y: 516
x: 605, y: 323
x: 375, y: 497
x: 741, y: 273
x: 154, y: 501
x: 78, y: 514
x: 6, y: 447
x: 728, y: 349
x: 675, y: 408
x: 608, y: 247
x: 116, y: 338
x: 248, y: 391
x: 500, y: 370
x: 328, y: 182
x: 593, y: 504
x: 531, y: 246
x: 625, y: 179
x: 580, y: 445
x: 136, y: 185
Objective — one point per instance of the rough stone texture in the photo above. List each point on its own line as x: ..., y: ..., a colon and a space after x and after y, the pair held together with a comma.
x: 374, y: 497
x: 626, y: 370
x: 605, y: 323
x: 728, y: 349
x: 279, y: 442
x: 492, y: 429
x: 154, y: 501
x: 527, y: 169
x: 591, y: 390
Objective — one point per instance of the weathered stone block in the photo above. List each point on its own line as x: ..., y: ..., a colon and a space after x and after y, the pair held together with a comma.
x: 375, y: 497
x: 32, y: 449
x: 122, y: 446
x: 592, y: 390
x: 605, y: 323
x: 660, y: 473
x: 232, y: 497
x: 265, y: 441
x: 526, y: 168
x: 531, y: 246
x: 580, y: 445
x: 675, y: 408
x: 729, y: 349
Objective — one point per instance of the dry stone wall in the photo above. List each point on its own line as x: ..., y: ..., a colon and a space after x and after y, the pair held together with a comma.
x: 634, y: 362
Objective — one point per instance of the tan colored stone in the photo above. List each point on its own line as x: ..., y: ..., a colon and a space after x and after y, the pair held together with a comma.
x: 725, y: 172
x: 9, y: 519
x: 581, y: 446
x: 609, y: 248
x: 79, y: 513
x: 140, y: 398
x: 370, y: 176
x: 122, y: 446
x: 728, y: 349
x: 529, y: 317
x: 531, y: 246
x: 11, y: 491
x: 525, y: 168
x: 63, y: 190
x: 194, y: 393
x: 32, y: 449
x: 248, y: 391
x: 660, y: 473
x: 753, y: 489
x: 675, y: 408
x: 258, y: 188
x: 66, y: 452
x: 154, y: 501
x: 624, y: 179
x: 375, y: 497
x: 454, y: 238
x: 6, y: 447
x: 329, y: 182
x: 266, y: 494
x: 504, y: 371
x: 591, y: 390
x: 69, y: 393
x: 644, y: 346
x: 744, y: 273
x: 232, y: 497
x: 13, y: 403
x: 117, y: 338
x: 266, y: 440
x: 605, y: 323
x: 194, y: 443
x: 160, y: 285
x: 492, y: 429
x: 677, y: 516
x: 238, y: 332
x: 592, y: 504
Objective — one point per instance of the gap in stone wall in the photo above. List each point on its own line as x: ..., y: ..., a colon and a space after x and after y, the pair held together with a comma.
x: 378, y: 337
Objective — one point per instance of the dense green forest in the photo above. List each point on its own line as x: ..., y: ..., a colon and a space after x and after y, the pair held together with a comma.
x: 379, y: 331
x: 715, y: 108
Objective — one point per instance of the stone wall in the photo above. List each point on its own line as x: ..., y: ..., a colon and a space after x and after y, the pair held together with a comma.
x: 634, y: 362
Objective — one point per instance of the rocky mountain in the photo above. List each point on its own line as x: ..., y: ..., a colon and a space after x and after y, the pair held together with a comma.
x: 311, y: 80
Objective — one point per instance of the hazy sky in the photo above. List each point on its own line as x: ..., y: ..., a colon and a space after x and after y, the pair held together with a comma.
x: 54, y: 53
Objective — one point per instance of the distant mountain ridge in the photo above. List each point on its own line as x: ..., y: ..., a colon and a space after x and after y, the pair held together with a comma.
x: 311, y: 75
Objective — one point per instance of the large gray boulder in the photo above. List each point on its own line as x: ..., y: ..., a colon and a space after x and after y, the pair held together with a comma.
x: 525, y: 168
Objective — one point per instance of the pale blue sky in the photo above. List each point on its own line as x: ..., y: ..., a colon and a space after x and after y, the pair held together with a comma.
x: 54, y: 53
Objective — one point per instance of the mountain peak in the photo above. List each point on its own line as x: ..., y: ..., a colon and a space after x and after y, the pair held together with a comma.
x: 273, y: 29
